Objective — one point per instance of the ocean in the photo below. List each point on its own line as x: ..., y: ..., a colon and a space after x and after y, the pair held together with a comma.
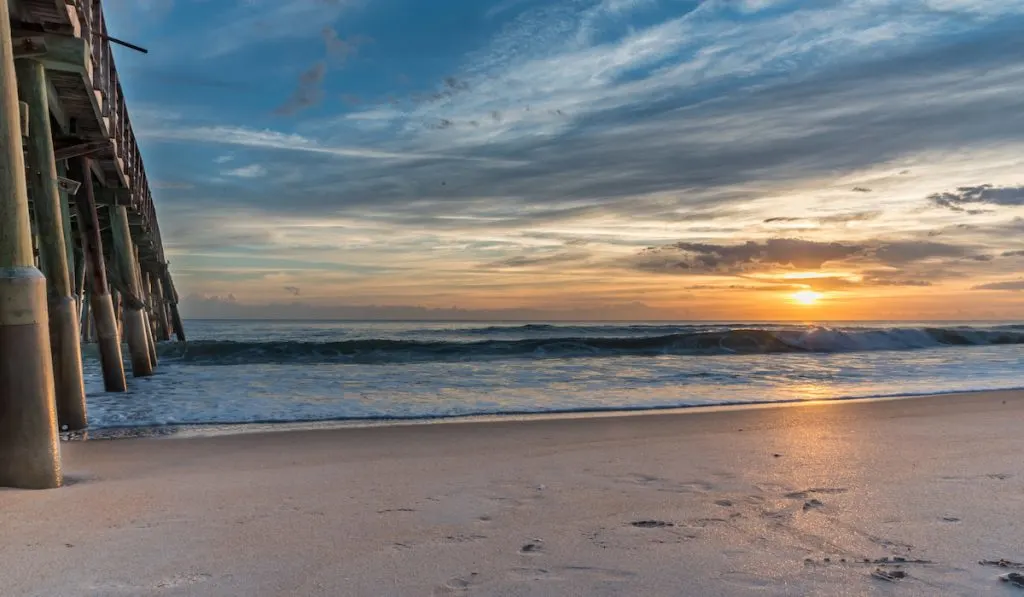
x: 239, y: 372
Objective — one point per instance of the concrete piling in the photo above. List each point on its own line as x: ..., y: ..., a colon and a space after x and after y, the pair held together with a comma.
x: 53, y: 253
x: 101, y: 305
x: 29, y: 446
x: 133, y: 315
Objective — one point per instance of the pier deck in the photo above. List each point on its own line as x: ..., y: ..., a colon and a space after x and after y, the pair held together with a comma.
x: 88, y: 109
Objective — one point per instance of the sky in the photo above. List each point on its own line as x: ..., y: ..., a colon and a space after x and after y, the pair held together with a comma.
x: 584, y: 159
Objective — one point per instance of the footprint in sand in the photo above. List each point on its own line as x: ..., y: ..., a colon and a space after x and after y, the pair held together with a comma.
x: 532, y: 574
x: 746, y: 580
x: 463, y: 538
x: 803, y: 495
x: 888, y: 575
x: 534, y: 547
x: 813, y: 504
x: 563, y: 573
x: 1002, y: 564
x: 177, y: 581
x: 652, y: 524
x: 1014, y: 578
x: 602, y: 574
x: 456, y: 586
x: 183, y: 580
x: 669, y: 485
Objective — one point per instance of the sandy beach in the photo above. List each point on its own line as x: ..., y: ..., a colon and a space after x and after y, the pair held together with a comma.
x: 793, y: 500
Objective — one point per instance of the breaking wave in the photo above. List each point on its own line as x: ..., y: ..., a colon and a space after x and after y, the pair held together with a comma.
x: 560, y: 343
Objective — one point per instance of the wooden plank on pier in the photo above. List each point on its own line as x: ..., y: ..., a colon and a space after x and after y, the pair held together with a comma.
x: 79, y: 149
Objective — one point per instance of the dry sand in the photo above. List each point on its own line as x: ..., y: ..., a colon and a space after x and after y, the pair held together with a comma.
x: 804, y: 500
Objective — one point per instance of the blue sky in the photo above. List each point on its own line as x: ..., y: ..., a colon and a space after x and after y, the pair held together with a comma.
x: 584, y: 158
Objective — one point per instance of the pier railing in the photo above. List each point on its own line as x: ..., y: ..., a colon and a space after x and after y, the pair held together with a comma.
x: 90, y: 24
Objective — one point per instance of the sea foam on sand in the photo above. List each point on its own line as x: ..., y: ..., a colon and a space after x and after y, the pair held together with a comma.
x: 894, y: 497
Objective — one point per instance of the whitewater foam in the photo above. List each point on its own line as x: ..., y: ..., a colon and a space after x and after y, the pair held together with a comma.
x: 242, y: 372
x: 587, y: 344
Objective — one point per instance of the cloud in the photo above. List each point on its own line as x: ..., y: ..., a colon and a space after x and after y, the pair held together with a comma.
x: 864, y: 280
x: 1014, y: 285
x: 171, y: 184
x: 339, y: 50
x: 791, y: 253
x: 842, y: 218
x: 985, y: 194
x: 561, y: 258
x: 308, y: 93
x: 860, y: 216
x: 627, y: 124
x: 197, y: 306
x: 269, y: 139
x: 503, y: 6
x: 1013, y: 254
x: 268, y: 22
x: 771, y: 133
x: 903, y: 252
x: 718, y: 103
x: 787, y: 252
x: 250, y: 171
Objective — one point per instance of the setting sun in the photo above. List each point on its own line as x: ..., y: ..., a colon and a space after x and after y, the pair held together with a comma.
x: 806, y: 297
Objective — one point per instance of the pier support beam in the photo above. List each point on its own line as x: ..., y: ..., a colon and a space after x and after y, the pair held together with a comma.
x: 151, y: 316
x: 142, y: 282
x: 134, y: 318
x: 29, y: 446
x: 101, y: 305
x: 53, y: 251
x: 171, y: 296
x: 179, y: 328
x: 160, y: 303
x: 87, y: 325
x: 150, y: 339
x: 69, y: 235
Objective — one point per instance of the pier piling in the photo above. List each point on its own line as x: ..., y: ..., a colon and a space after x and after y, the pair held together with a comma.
x: 63, y: 115
x: 102, y: 306
x: 53, y: 252
x: 160, y: 306
x: 133, y: 313
x: 29, y: 447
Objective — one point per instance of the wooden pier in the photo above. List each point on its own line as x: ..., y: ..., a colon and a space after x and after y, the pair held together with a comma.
x: 81, y: 257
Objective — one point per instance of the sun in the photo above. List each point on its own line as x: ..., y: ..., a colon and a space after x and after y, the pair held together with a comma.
x: 806, y: 297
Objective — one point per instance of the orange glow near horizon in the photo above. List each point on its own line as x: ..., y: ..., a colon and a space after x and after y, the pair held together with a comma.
x: 806, y: 297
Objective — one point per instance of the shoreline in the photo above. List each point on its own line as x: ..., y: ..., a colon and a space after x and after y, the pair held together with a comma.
x: 191, y: 430
x: 810, y: 498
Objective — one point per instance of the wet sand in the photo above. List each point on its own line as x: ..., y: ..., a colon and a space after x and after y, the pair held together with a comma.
x: 901, y: 497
